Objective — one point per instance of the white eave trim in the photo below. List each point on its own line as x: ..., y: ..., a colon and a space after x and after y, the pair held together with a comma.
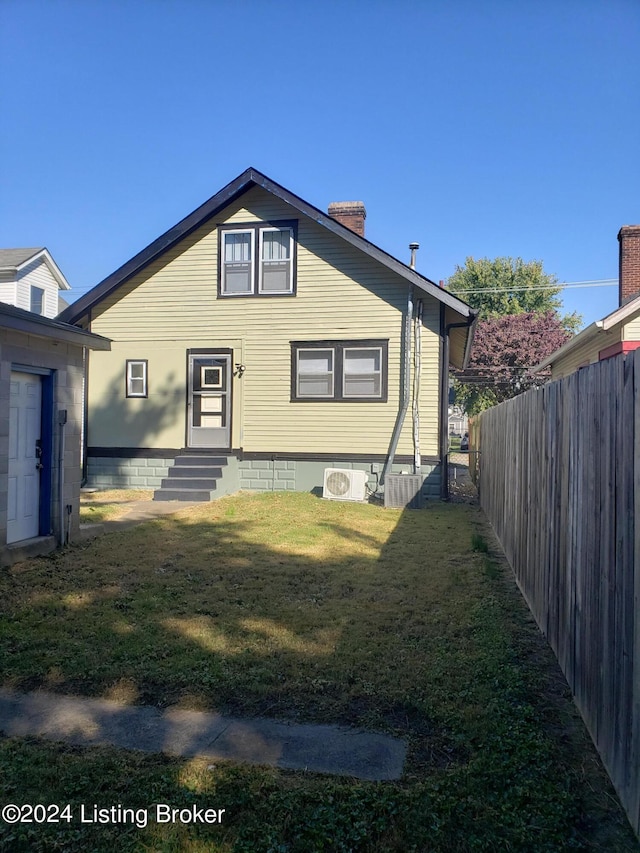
x: 620, y: 314
x: 614, y: 319
x: 55, y: 270
x: 582, y: 337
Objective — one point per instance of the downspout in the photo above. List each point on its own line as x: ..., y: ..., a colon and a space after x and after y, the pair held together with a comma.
x: 417, y: 378
x: 404, y: 399
x: 62, y: 419
x: 444, y: 402
x: 85, y: 417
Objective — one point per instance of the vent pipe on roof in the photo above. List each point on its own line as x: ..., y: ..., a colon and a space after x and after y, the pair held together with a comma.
x: 414, y: 248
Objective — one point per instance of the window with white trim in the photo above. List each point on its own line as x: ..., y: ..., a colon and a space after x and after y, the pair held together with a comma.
x: 339, y: 371
x: 237, y: 264
x: 258, y: 259
x: 36, y: 299
x: 315, y: 373
x: 276, y: 254
x: 362, y: 372
x: 136, y: 378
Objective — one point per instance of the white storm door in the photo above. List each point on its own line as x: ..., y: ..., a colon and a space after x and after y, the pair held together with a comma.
x: 25, y: 418
x: 209, y: 403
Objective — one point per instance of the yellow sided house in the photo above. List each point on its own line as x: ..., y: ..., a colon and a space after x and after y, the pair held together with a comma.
x: 616, y: 334
x: 264, y: 344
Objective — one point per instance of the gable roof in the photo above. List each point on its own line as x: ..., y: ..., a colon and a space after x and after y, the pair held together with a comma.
x: 17, y: 319
x: 247, y: 180
x: 620, y: 315
x: 14, y: 260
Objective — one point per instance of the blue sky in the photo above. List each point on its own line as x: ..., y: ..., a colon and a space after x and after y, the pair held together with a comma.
x: 475, y: 128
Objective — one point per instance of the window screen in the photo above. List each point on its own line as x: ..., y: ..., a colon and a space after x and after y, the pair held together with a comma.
x: 37, y: 300
x: 238, y: 267
x: 362, y: 373
x: 315, y: 373
x: 276, y: 261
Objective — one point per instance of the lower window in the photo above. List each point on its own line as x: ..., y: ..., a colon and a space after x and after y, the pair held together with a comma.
x: 340, y: 371
x: 136, y: 378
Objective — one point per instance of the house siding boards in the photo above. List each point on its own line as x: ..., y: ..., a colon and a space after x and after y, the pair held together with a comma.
x: 589, y: 351
x: 161, y: 312
x: 7, y: 289
x: 631, y: 331
x: 38, y: 274
x: 20, y: 274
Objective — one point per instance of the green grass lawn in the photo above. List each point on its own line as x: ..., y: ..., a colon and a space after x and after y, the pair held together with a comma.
x: 454, y: 443
x: 288, y: 606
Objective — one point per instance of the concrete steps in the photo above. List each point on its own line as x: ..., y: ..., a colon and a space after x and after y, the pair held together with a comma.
x: 193, y: 477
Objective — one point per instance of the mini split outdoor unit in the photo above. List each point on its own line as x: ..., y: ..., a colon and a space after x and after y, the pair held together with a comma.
x: 344, y: 485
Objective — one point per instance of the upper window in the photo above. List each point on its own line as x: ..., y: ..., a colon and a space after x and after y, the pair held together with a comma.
x: 258, y: 259
x: 37, y: 300
x: 342, y: 371
x: 237, y: 264
x: 136, y: 379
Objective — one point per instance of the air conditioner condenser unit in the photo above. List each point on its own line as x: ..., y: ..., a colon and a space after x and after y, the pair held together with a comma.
x: 403, y: 490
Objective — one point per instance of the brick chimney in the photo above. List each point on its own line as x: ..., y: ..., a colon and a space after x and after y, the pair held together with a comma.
x: 629, y: 279
x: 349, y: 213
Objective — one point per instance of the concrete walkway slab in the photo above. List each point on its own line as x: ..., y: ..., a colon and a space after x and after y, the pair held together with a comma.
x: 146, y: 511
x: 137, y: 512
x: 96, y: 722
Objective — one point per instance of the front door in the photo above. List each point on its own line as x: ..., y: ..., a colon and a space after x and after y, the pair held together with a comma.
x: 209, y: 400
x: 25, y: 451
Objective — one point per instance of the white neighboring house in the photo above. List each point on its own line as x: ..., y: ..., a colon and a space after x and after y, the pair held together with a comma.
x: 30, y: 279
x: 458, y: 421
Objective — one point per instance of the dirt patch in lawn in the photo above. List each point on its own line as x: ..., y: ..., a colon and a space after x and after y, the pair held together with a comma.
x: 109, y: 505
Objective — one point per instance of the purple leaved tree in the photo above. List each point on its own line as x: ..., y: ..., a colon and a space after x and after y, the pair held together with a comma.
x: 505, y: 350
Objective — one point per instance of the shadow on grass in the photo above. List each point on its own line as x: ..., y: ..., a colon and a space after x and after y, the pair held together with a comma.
x: 289, y: 607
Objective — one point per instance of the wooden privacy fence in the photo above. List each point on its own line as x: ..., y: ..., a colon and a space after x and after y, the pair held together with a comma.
x: 559, y: 479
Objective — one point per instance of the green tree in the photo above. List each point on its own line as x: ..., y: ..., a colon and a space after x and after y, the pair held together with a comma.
x: 506, y: 286
x: 502, y: 289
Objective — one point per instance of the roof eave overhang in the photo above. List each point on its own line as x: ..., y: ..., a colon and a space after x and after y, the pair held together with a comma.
x: 55, y: 270
x: 244, y: 182
x: 470, y: 337
x: 582, y: 337
x: 620, y: 315
x: 54, y: 331
x: 624, y: 312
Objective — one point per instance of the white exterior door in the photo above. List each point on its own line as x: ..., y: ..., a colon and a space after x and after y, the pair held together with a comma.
x: 25, y: 417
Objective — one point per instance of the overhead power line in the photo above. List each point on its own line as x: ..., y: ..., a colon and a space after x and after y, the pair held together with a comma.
x: 601, y: 282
